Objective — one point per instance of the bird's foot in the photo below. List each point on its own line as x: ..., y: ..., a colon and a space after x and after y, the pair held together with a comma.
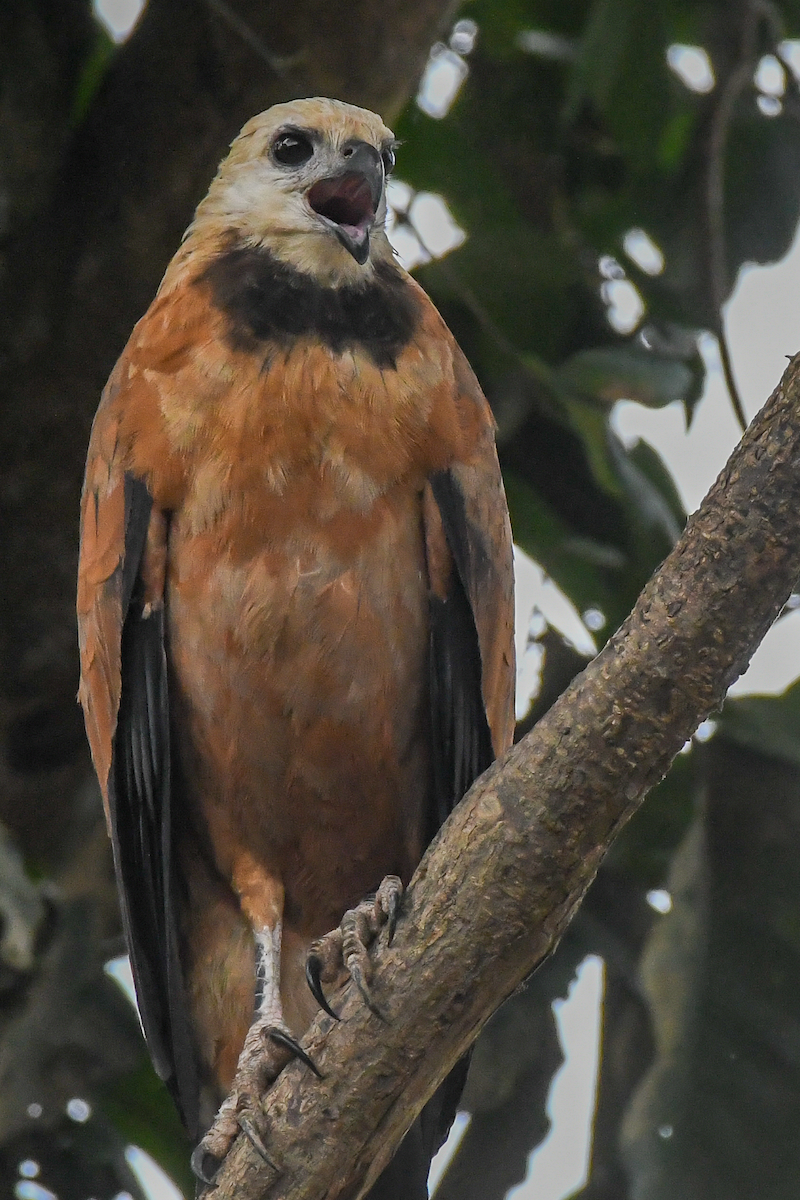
x: 348, y: 946
x: 268, y: 1047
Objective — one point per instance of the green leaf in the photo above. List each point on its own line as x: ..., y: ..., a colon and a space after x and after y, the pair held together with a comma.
x: 92, y: 74
x: 589, y: 421
x: 650, y: 464
x: 621, y: 70
x: 140, y: 1108
x: 600, y: 58
x: 769, y: 724
x: 611, y: 373
x: 525, y: 281
x: 717, y: 1116
x: 583, y: 569
x: 762, y: 186
x: 651, y: 512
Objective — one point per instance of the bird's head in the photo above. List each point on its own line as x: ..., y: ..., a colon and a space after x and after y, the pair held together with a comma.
x: 307, y: 180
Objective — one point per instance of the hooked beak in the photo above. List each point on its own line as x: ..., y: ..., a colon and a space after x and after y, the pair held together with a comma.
x: 347, y: 203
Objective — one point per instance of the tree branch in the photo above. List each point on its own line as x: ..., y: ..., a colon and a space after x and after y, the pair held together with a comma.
x: 497, y: 888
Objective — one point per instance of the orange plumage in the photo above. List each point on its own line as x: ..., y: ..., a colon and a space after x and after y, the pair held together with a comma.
x: 295, y: 591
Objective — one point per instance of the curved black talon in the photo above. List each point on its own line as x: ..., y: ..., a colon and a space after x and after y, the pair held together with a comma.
x: 391, y: 916
x: 202, y: 1162
x: 313, y: 970
x: 251, y: 1133
x: 285, y: 1039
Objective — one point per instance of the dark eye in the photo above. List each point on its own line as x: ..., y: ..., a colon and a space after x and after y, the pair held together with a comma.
x: 388, y: 157
x: 292, y: 149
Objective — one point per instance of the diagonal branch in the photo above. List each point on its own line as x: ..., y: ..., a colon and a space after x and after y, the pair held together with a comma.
x: 496, y: 890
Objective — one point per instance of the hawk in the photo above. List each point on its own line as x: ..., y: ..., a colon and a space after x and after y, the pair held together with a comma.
x: 295, y: 610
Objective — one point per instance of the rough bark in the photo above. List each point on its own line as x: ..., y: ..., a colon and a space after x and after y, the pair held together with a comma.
x: 496, y: 890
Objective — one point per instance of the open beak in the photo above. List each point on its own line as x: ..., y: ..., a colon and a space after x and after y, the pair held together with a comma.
x: 347, y: 203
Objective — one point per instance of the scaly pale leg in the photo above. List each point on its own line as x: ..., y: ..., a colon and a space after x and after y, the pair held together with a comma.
x: 268, y: 1047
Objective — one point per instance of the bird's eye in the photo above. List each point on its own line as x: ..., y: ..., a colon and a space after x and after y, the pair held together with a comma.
x: 388, y: 158
x: 292, y: 149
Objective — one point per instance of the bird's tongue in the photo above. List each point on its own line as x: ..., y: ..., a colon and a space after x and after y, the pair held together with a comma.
x: 347, y: 201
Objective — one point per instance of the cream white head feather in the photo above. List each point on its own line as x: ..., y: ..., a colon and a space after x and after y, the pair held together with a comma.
x: 306, y: 180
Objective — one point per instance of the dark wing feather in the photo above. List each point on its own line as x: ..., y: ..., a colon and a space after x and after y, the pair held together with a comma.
x: 462, y: 742
x: 471, y: 670
x: 469, y: 569
x: 141, y: 796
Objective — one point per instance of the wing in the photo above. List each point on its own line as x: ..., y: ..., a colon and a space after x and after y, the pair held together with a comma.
x: 470, y: 566
x: 472, y: 675
x: 126, y: 706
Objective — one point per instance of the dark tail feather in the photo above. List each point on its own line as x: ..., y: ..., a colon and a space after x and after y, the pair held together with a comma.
x: 406, y: 1177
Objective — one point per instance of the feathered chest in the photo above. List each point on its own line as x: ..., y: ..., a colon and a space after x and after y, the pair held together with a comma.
x: 267, y: 392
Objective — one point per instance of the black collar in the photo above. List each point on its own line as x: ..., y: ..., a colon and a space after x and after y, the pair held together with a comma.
x: 266, y: 300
